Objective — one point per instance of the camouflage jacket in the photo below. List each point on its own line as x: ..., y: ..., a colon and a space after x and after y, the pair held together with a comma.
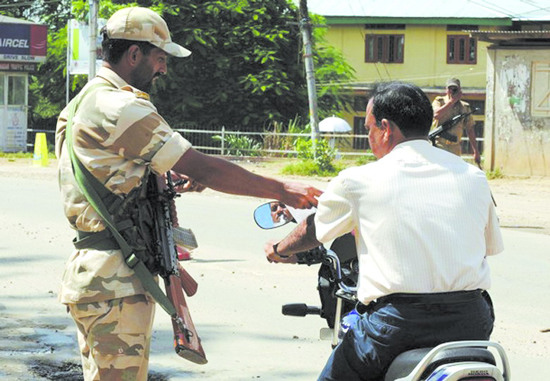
x: 118, y: 134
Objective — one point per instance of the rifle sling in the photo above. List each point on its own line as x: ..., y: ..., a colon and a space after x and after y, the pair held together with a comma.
x: 93, y: 190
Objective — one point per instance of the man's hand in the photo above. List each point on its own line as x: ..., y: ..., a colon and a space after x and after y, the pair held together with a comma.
x: 183, y: 183
x: 300, y: 196
x: 477, y: 158
x: 456, y: 96
x: 273, y: 257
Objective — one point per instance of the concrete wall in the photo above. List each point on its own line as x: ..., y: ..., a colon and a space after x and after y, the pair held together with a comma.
x: 517, y: 127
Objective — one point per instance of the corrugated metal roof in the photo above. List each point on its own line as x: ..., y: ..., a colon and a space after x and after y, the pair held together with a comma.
x: 476, y: 9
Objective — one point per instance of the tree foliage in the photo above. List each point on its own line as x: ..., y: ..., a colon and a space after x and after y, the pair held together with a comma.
x: 246, y: 70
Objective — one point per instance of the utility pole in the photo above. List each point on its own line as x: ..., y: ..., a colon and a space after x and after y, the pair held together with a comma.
x: 92, y: 20
x: 306, y: 28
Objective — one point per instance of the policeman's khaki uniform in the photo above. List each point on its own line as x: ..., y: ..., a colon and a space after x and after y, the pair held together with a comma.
x: 118, y: 136
x: 466, y: 123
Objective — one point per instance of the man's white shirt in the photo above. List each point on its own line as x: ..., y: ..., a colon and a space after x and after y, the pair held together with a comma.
x: 423, y: 220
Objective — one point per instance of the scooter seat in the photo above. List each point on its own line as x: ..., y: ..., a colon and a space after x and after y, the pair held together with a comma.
x: 406, y: 361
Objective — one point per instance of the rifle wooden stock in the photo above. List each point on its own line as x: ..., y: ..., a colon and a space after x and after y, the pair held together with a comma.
x: 188, y: 284
x: 187, y: 342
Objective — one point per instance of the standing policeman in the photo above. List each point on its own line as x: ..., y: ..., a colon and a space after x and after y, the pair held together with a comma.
x: 119, y: 137
x: 445, y: 108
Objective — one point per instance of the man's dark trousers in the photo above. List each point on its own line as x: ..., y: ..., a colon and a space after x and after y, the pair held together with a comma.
x: 399, y: 322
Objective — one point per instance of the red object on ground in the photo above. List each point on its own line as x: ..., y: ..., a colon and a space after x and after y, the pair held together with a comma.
x: 183, y: 255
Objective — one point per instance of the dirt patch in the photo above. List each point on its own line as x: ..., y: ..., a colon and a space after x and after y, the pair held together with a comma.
x: 42, y: 351
x: 72, y: 371
x: 51, y: 370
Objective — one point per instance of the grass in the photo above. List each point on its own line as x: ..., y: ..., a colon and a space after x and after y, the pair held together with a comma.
x: 16, y: 155
x: 309, y: 168
x: 22, y: 155
x: 496, y: 174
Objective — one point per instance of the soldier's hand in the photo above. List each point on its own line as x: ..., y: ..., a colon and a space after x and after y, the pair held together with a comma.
x: 184, y: 183
x: 300, y: 196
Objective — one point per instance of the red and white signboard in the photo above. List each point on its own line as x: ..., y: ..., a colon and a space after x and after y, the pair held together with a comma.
x: 23, y: 42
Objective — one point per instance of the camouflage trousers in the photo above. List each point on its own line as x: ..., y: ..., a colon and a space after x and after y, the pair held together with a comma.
x: 114, y: 337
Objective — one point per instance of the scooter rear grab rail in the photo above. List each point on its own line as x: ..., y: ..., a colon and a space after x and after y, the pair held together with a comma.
x: 426, y: 360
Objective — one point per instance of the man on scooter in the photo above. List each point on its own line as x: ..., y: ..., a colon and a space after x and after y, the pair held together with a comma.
x: 424, y: 224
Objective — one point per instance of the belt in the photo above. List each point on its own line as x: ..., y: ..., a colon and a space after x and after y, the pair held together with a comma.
x: 430, y: 298
x: 101, y: 240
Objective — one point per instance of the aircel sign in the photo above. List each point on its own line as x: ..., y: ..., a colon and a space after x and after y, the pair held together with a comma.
x: 23, y: 42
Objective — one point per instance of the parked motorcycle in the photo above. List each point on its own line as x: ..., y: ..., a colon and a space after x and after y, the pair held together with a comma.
x: 337, y: 286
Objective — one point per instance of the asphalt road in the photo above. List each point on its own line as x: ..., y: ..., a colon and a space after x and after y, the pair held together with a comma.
x: 237, y: 309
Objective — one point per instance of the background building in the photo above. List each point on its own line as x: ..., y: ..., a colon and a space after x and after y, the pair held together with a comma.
x: 426, y: 42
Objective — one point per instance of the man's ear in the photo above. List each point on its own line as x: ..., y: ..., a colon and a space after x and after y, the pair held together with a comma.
x: 387, y: 126
x: 133, y: 54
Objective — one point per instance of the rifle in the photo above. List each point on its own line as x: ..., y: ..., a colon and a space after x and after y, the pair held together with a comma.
x: 442, y: 129
x: 187, y: 343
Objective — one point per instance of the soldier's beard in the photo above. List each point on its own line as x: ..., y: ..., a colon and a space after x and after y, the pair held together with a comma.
x: 142, y: 77
x: 143, y: 84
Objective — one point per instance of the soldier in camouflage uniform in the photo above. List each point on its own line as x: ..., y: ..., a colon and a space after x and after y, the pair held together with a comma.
x: 119, y: 137
x: 447, y: 106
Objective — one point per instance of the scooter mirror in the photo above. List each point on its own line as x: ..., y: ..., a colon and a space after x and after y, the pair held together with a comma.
x: 272, y: 215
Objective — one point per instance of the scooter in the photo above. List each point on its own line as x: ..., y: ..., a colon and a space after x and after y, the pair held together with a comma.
x: 337, y: 286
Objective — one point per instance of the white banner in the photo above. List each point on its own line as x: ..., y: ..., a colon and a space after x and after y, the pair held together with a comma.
x: 79, y: 53
x: 13, y: 132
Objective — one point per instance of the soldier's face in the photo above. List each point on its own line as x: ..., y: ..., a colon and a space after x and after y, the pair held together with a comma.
x: 151, y: 66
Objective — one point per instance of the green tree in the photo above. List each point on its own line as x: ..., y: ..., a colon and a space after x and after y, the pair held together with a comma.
x: 246, y: 71
x: 332, y: 74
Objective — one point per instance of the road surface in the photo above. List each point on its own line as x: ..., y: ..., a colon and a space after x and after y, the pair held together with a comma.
x: 237, y: 309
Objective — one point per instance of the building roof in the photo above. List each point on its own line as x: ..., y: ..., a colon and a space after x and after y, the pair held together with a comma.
x: 514, y: 38
x: 13, y: 20
x: 480, y: 12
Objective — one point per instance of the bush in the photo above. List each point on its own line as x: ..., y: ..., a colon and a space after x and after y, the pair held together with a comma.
x: 275, y: 140
x: 318, y: 163
x: 236, y: 145
x: 309, y: 168
x: 322, y: 156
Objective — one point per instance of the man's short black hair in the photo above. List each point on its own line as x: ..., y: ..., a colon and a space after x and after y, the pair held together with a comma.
x: 113, y: 49
x: 404, y: 104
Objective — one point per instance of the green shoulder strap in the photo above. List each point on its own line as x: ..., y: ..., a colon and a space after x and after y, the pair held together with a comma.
x: 93, y: 190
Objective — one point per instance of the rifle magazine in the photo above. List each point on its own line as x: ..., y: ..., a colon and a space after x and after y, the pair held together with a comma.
x: 185, y: 238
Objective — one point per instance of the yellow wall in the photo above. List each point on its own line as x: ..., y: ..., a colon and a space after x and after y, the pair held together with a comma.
x: 424, y: 63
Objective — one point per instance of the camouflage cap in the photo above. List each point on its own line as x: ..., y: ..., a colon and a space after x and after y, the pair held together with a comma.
x: 143, y: 24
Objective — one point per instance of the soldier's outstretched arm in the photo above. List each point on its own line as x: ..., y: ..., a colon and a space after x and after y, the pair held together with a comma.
x: 224, y: 176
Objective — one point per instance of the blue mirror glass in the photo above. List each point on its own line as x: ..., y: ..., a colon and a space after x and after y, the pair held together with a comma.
x: 272, y: 215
